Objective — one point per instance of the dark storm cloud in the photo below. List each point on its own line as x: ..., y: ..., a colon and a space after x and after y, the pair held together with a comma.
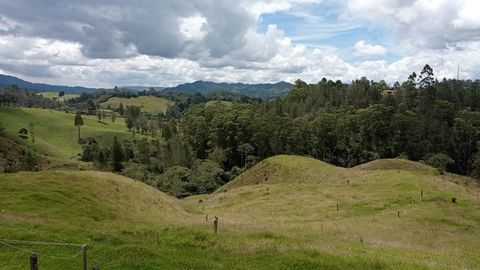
x: 115, y: 29
x: 28, y: 70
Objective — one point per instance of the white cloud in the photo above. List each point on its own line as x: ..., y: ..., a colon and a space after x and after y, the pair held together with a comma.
x: 193, y: 27
x: 421, y: 24
x: 170, y: 42
x: 468, y: 16
x: 363, y: 48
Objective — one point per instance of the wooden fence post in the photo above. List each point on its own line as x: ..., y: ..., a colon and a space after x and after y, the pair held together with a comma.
x: 33, y: 262
x: 84, y: 251
x: 215, y: 224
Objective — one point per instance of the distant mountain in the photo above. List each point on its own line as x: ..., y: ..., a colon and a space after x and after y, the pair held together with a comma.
x: 41, y: 87
x: 141, y: 88
x: 264, y: 91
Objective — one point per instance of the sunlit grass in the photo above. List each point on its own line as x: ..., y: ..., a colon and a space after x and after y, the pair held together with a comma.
x: 54, y: 131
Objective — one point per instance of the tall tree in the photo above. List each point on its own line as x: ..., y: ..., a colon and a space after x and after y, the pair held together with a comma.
x: 78, y: 122
x: 121, y: 109
x: 117, y: 155
x: 426, y: 76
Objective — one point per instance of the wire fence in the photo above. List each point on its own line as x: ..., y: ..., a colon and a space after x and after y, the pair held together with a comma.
x: 50, y: 248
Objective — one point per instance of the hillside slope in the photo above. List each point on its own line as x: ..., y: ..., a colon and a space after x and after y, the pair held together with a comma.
x: 147, y: 103
x: 288, y: 169
x: 55, y: 134
x: 103, y: 210
x: 394, y: 211
x: 129, y: 225
x: 42, y: 87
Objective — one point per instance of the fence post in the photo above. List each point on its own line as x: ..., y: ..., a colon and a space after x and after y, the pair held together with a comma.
x: 84, y: 251
x: 215, y: 224
x: 33, y: 262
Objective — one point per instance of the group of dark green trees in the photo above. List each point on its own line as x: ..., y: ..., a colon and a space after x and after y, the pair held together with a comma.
x: 421, y: 119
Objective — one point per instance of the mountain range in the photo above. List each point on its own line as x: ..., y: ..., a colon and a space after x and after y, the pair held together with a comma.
x: 41, y: 87
x: 264, y: 90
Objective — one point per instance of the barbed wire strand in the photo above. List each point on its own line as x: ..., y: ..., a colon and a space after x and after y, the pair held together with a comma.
x: 38, y: 253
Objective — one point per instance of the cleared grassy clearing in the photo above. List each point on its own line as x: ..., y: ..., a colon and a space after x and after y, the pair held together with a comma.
x: 147, y: 103
x: 54, y: 95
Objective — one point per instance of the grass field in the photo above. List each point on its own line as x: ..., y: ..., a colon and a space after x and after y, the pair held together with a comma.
x: 128, y: 225
x: 281, y: 214
x: 54, y: 95
x: 219, y: 102
x: 54, y: 131
x: 148, y: 103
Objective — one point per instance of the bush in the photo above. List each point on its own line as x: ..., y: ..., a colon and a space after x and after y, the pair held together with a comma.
x: 29, y: 161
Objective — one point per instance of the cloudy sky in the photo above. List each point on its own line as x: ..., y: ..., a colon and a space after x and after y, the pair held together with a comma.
x: 102, y: 43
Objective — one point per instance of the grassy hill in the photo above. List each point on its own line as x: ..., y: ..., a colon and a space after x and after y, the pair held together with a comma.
x: 381, y: 216
x: 54, y: 95
x: 118, y: 217
x: 148, y: 103
x: 280, y: 214
x: 128, y: 225
x: 55, y: 134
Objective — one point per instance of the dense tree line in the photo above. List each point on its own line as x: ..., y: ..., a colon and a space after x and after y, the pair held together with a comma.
x: 348, y: 124
x: 14, y: 96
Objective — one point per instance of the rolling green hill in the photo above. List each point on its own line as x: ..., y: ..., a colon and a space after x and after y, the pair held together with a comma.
x: 129, y: 225
x: 54, y: 131
x: 280, y: 214
x: 148, y: 103
x: 381, y: 214
x: 117, y: 217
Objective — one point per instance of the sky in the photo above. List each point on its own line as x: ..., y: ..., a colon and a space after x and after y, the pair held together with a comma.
x: 103, y: 43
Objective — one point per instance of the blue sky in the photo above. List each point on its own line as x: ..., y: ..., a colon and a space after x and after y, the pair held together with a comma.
x: 101, y: 43
x: 321, y: 25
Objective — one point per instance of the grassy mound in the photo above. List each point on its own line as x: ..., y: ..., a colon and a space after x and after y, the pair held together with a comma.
x: 288, y: 169
x: 395, y: 164
x: 401, y: 215
x: 54, y: 132
x: 148, y: 103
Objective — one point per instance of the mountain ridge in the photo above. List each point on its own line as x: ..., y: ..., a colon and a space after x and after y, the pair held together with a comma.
x: 7, y: 80
x: 262, y: 90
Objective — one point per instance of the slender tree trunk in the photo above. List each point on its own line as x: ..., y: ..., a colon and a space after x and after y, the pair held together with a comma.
x: 78, y: 132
